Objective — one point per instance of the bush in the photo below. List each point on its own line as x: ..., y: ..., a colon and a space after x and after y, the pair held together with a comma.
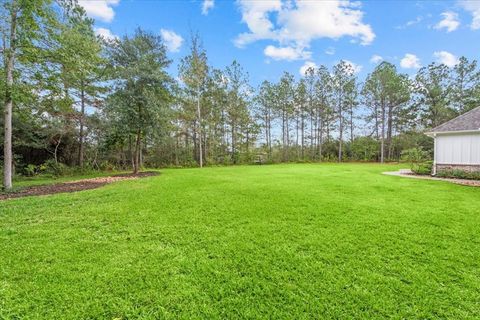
x: 424, y: 168
x: 56, y: 169
x: 107, y: 166
x: 459, y: 174
x: 30, y: 170
x: 419, y: 160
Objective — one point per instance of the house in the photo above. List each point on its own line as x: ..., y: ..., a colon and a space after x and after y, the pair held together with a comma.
x: 457, y: 143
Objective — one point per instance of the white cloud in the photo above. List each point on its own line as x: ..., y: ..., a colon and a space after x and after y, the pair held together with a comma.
x: 410, y: 23
x: 449, y: 21
x: 105, y: 33
x: 410, y: 61
x: 307, y: 65
x: 100, y: 9
x: 172, y: 40
x: 330, y: 51
x: 474, y: 8
x: 376, y: 59
x: 446, y: 58
x: 286, y: 53
x: 255, y: 15
x: 355, y: 67
x: 295, y: 23
x: 207, y: 5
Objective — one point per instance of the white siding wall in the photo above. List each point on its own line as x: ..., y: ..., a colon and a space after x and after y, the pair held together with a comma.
x: 458, y: 149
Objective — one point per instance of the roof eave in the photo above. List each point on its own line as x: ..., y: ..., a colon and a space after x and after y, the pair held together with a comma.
x: 434, y: 133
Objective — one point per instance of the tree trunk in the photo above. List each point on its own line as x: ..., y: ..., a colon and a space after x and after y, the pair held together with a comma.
x: 199, y: 115
x: 136, y: 158
x: 297, y: 134
x: 320, y: 140
x: 287, y: 137
x: 81, y: 150
x: 55, y: 154
x: 130, y: 151
x: 340, y: 128
x: 302, y: 124
x: 176, y: 150
x: 234, y: 142
x: 269, y: 133
x: 312, y: 134
x: 195, y: 155
x: 351, y: 124
x: 389, y: 131
x: 382, y: 145
x: 8, y: 109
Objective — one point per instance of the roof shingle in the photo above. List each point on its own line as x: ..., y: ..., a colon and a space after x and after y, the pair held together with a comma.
x: 469, y: 121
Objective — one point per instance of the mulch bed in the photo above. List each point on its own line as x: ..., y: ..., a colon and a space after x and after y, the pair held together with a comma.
x: 74, y: 186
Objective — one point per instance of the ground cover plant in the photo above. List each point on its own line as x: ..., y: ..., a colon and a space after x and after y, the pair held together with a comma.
x: 459, y: 174
x: 281, y: 241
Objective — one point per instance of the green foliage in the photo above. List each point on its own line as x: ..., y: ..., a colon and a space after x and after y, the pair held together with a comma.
x: 142, y: 96
x: 424, y: 168
x: 363, y: 149
x: 387, y: 94
x: 30, y: 170
x: 458, y: 174
x: 433, y: 88
x: 56, y: 169
x: 465, y: 87
x: 419, y: 160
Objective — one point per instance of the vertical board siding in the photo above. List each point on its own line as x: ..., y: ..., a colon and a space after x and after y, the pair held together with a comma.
x: 458, y: 149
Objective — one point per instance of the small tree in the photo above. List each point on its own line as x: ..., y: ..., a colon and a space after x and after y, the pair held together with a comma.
x: 419, y: 160
x: 142, y: 87
x: 194, y: 74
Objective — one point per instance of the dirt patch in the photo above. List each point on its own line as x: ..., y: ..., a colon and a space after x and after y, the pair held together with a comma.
x: 410, y: 174
x: 74, y: 186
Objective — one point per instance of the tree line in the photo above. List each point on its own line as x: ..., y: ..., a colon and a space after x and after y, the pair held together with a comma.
x: 74, y: 99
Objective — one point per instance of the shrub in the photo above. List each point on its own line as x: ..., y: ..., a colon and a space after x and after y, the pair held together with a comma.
x: 107, y: 166
x: 424, y: 168
x: 56, y: 169
x: 30, y: 170
x: 419, y: 160
x: 459, y: 174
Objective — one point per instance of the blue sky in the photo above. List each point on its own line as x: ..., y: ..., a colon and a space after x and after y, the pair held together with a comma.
x: 269, y: 37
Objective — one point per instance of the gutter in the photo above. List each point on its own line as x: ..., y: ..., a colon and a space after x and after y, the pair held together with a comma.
x: 434, y: 133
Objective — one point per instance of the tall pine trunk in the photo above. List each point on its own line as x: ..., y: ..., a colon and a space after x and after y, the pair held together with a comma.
x: 8, y: 109
x: 389, y: 131
x: 287, y: 136
x: 199, y: 115
x: 138, y: 145
x: 340, y: 128
x: 320, y: 140
x: 81, y: 150
x: 312, y: 134
x: 269, y: 133
x: 382, y: 144
x: 234, y: 143
x: 302, y: 119
x: 297, y: 135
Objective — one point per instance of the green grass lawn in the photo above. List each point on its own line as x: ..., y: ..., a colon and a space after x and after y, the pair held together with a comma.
x: 280, y: 241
